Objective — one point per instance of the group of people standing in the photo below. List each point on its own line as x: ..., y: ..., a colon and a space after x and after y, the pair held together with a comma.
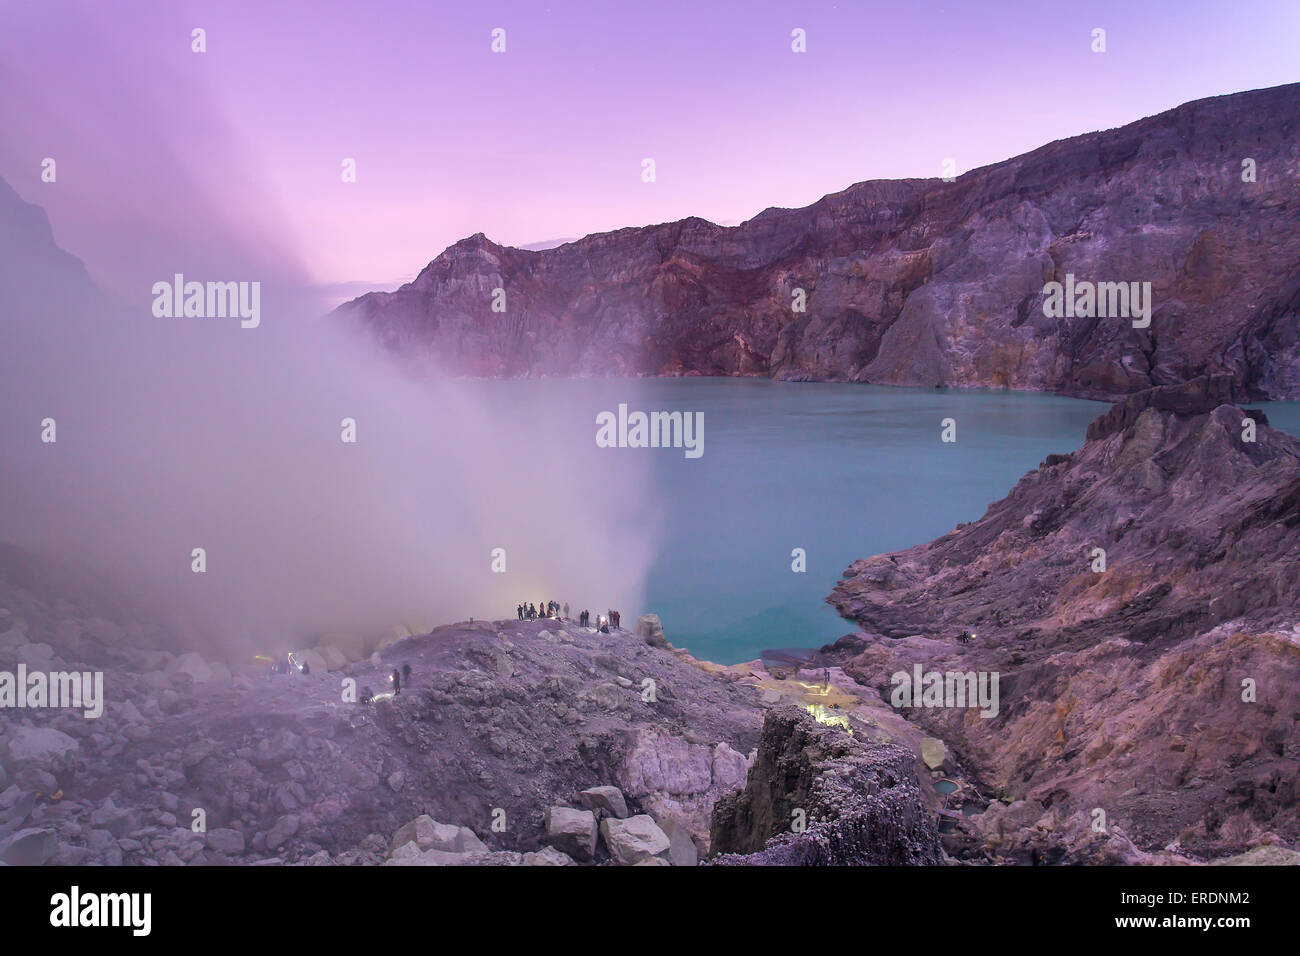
x: 530, y: 612
x: 553, y: 609
x: 603, y: 624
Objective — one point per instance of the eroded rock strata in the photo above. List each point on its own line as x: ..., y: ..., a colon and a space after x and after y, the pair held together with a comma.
x: 920, y: 281
x: 1164, y: 690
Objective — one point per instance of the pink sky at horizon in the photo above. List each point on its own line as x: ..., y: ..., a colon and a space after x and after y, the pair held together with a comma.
x: 171, y: 149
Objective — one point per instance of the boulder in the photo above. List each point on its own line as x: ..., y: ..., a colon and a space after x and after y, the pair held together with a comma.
x: 572, y: 831
x: 649, y: 629
x: 548, y: 856
x: 227, y: 841
x: 933, y: 752
x: 607, y: 799
x: 117, y: 821
x: 32, y: 847
x: 635, y: 839
x: 37, y: 746
x: 284, y: 828
x: 405, y: 852
x: 681, y: 848
x: 427, y: 833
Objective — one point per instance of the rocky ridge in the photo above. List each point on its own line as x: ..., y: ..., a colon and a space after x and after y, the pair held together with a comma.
x: 919, y: 282
x: 1158, y: 683
x: 501, y: 722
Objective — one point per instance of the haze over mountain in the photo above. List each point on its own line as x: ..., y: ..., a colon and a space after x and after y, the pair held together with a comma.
x: 128, y: 440
x: 920, y: 282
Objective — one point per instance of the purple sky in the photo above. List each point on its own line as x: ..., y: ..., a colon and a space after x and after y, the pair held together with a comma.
x: 159, y: 148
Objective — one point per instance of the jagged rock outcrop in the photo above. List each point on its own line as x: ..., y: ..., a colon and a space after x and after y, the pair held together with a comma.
x: 1161, y: 686
x: 860, y: 803
x: 920, y: 281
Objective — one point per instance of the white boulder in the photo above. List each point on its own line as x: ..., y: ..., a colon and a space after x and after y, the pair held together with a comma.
x: 633, y: 840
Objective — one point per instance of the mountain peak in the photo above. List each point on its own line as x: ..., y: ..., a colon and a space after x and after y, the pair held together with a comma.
x: 922, y: 282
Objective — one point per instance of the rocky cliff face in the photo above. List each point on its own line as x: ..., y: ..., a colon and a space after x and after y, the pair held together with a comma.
x: 1162, y: 688
x: 920, y: 282
x: 860, y: 803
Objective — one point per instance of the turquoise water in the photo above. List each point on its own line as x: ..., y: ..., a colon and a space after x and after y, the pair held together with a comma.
x: 842, y: 471
x: 1282, y: 415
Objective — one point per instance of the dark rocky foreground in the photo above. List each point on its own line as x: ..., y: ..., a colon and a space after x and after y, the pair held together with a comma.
x: 920, y: 282
x: 515, y: 742
x: 858, y: 805
x: 1164, y: 690
x: 501, y: 722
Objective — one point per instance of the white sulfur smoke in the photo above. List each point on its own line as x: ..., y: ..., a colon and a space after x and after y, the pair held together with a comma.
x: 177, y: 433
x: 193, y: 432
